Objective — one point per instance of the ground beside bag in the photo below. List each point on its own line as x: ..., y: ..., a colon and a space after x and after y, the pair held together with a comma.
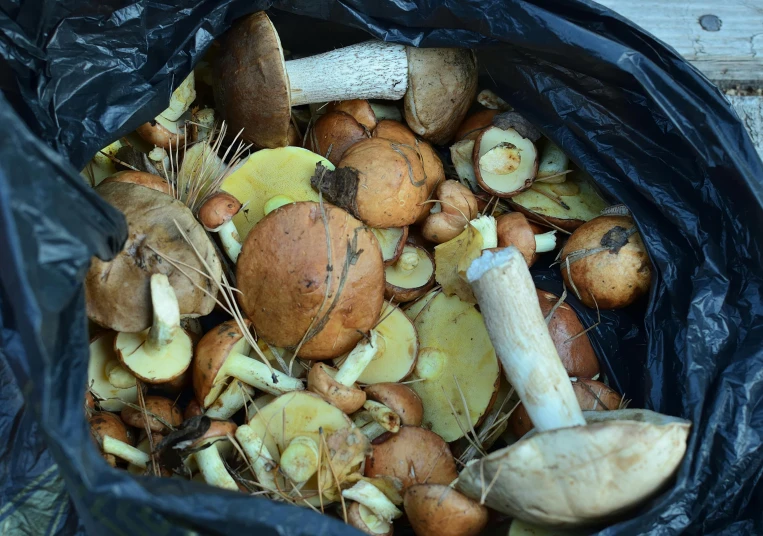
x: 650, y: 129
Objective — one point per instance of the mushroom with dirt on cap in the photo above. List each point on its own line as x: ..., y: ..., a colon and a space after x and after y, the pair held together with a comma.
x: 216, y: 215
x: 633, y: 459
x: 252, y: 63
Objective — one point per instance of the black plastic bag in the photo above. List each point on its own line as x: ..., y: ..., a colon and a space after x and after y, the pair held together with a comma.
x: 653, y: 132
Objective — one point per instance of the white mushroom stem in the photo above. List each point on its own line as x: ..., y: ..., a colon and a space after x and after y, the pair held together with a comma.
x: 358, y: 359
x: 300, y: 460
x: 230, y: 239
x: 166, y: 315
x: 213, y: 469
x: 370, y: 70
x: 161, y: 159
x: 387, y: 418
x: 119, y: 376
x: 122, y: 450
x: 369, y: 496
x: 230, y: 401
x: 545, y: 242
x: 259, y: 457
x: 373, y: 430
x: 258, y: 375
x: 504, y: 289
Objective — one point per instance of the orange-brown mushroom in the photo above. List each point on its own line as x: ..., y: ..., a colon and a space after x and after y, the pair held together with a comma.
x: 333, y: 133
x: 439, y: 510
x: 149, y: 180
x: 161, y: 413
x: 456, y: 207
x: 514, y: 230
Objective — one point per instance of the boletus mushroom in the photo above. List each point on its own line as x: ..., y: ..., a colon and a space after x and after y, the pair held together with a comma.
x: 456, y: 206
x: 208, y: 452
x: 251, y: 62
x: 400, y: 399
x: 216, y: 215
x: 547, y: 478
x: 153, y: 235
x: 333, y: 133
x: 110, y: 434
x: 439, y: 510
x: 372, y: 500
x: 287, y: 292
x: 505, y: 161
x: 164, y: 351
x: 605, y: 263
x: 514, y: 230
x: 457, y: 368
x: 411, y: 276
x: 471, y: 127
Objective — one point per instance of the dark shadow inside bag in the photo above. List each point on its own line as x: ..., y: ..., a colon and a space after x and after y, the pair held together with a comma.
x: 653, y: 133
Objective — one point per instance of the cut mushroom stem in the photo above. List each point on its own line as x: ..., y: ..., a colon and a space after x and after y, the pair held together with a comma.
x: 257, y: 374
x: 358, y: 359
x: 259, y: 456
x: 126, y: 452
x: 300, y: 460
x: 545, y: 242
x: 521, y: 338
x: 213, y: 469
x: 387, y: 418
x: 119, y: 376
x: 369, y: 496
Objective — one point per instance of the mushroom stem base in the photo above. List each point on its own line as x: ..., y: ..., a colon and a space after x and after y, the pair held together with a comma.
x: 369, y: 496
x: 358, y: 359
x: 213, y: 469
x: 545, y: 242
x: 300, y: 459
x: 230, y: 401
x: 126, y: 452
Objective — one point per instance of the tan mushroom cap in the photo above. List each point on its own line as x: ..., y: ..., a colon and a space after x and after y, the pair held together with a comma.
x: 104, y: 423
x: 458, y: 208
x: 218, y: 210
x: 282, y: 278
x: 333, y: 133
x: 117, y: 292
x: 514, y: 230
x: 414, y: 455
x: 218, y: 430
x: 577, y: 355
x: 156, y: 406
x: 360, y: 109
x: 439, y: 510
x: 149, y: 180
x: 347, y: 398
x: 355, y: 518
x: 399, y: 398
x: 210, y: 355
x: 471, y: 127
x: 251, y: 86
x: 157, y: 134
x: 442, y: 83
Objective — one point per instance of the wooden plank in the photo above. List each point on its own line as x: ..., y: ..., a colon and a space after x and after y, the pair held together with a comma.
x: 724, y: 39
x: 750, y: 110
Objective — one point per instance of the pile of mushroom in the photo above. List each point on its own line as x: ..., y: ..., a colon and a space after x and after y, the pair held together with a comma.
x: 335, y: 317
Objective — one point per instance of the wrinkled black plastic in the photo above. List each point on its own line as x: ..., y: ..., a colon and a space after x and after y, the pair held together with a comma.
x: 653, y: 132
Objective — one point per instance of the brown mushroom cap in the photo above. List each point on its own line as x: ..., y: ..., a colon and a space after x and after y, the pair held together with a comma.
x: 458, y: 207
x: 281, y: 274
x: 594, y: 395
x: 471, y: 126
x: 333, y: 133
x: 218, y: 210
x: 414, y: 455
x: 439, y: 510
x: 117, y: 292
x: 218, y: 430
x: 321, y: 381
x: 159, y: 406
x: 355, y: 519
x: 104, y: 423
x: 360, y: 109
x: 442, y: 83
x: 399, y: 398
x: 577, y: 355
x: 615, y: 276
x: 157, y: 134
x: 193, y: 409
x: 514, y: 230
x: 210, y: 355
x: 251, y: 86
x: 149, y: 180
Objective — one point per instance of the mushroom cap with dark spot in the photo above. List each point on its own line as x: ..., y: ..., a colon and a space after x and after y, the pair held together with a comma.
x: 218, y: 210
x: 162, y: 407
x: 210, y: 355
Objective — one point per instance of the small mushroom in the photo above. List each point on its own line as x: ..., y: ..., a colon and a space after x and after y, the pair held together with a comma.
x: 455, y: 208
x: 378, y: 181
x: 103, y: 359
x: 439, y: 510
x: 605, y: 263
x: 333, y: 133
x: 164, y: 351
x: 208, y: 451
x: 414, y: 455
x: 360, y: 109
x: 391, y: 242
x: 368, y: 495
x: 252, y: 62
x: 505, y: 161
x: 216, y: 215
x: 514, y: 230
x: 164, y: 133
x: 363, y: 519
x: 399, y: 398
x: 474, y: 124
x: 142, y: 178
x: 572, y: 345
x: 161, y: 413
x: 411, y: 276
x: 110, y: 434
x: 223, y: 353
x: 283, y: 304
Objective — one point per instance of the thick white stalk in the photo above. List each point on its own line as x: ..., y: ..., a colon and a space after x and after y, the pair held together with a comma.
x: 258, y: 375
x: 259, y: 456
x: 370, y: 70
x: 369, y: 496
x: 387, y: 418
x: 504, y: 289
x: 166, y: 315
x: 300, y: 460
x: 545, y: 242
x: 358, y: 359
x: 230, y: 401
x: 213, y: 469
x: 122, y: 450
x: 230, y: 240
